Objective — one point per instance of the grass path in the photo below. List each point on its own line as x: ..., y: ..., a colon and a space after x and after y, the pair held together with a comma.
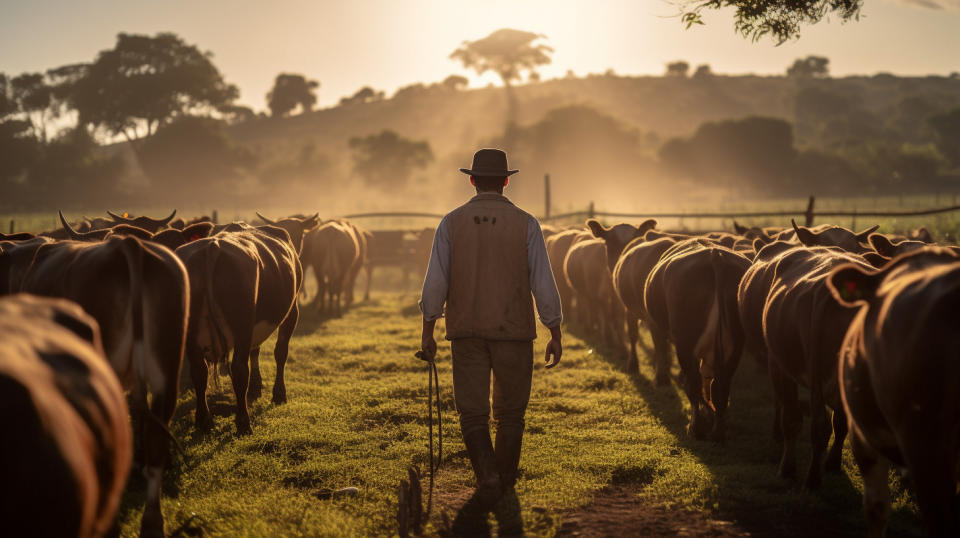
x: 356, y: 416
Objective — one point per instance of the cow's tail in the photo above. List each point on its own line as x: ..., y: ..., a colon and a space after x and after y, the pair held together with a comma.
x: 133, y: 254
x: 716, y: 262
x: 216, y: 317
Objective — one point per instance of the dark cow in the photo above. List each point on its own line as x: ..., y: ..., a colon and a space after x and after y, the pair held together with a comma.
x: 690, y: 295
x: 765, y: 235
x: 244, y: 283
x: 67, y: 449
x: 828, y: 235
x: 359, y: 261
x: 332, y: 250
x: 170, y: 237
x: 629, y: 281
x: 803, y: 328
x: 147, y: 223
x: 137, y: 291
x: 899, y: 375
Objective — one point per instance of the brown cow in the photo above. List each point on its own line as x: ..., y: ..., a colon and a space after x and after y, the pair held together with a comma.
x: 898, y: 380
x: 244, y: 283
x: 629, y: 280
x: 828, y: 235
x: 359, y: 261
x: 332, y: 250
x: 68, y: 445
x: 691, y: 296
x: 170, y: 237
x: 803, y: 328
x: 137, y: 291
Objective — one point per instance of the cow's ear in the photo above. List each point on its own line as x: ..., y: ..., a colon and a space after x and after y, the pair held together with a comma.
x: 862, y: 236
x: 597, y: 228
x: 882, y: 244
x: 653, y: 235
x: 876, y: 260
x: 196, y: 231
x: 311, y: 222
x: 647, y: 225
x: 740, y: 229
x: 851, y: 285
x: 805, y: 236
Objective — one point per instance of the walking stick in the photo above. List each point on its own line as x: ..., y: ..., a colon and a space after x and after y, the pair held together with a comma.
x: 433, y: 400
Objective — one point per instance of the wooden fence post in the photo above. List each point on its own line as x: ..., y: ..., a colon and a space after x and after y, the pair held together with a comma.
x: 853, y: 220
x: 809, y: 213
x: 215, y: 219
x: 12, y: 225
x: 546, y: 196
x: 590, y: 211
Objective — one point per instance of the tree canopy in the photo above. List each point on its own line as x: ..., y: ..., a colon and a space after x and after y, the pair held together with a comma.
x: 508, y: 53
x: 781, y: 20
x: 145, y: 82
x: 290, y: 91
x: 809, y: 67
x: 678, y: 69
x: 386, y: 158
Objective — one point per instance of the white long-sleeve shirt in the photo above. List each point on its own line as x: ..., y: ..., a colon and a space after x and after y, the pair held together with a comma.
x: 437, y: 281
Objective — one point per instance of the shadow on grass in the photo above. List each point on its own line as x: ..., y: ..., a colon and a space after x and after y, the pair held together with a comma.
x: 744, y: 469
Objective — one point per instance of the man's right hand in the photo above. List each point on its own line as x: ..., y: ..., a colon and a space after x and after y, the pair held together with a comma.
x: 427, y: 343
x: 554, y: 348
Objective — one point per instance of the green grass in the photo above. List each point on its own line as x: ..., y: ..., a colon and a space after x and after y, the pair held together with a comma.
x: 356, y: 416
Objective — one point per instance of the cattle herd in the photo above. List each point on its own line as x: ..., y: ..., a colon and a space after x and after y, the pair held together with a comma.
x: 111, y: 306
x: 94, y: 310
x: 866, y: 322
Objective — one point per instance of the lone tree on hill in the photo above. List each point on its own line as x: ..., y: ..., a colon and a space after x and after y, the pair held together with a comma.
x: 678, y: 69
x: 455, y: 82
x: 779, y: 19
x: 809, y: 67
x: 387, y: 158
x: 145, y: 82
x: 508, y: 53
x: 290, y: 91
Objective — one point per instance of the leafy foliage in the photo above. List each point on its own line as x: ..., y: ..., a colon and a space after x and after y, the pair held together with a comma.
x: 386, y: 158
x: 809, y: 67
x: 290, y: 91
x: 508, y: 53
x: 678, y: 69
x: 145, y: 82
x: 781, y: 20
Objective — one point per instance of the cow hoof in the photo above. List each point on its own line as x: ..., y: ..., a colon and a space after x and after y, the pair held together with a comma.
x: 204, y: 423
x: 279, y: 399
x: 151, y: 526
x: 788, y: 472
x: 244, y: 429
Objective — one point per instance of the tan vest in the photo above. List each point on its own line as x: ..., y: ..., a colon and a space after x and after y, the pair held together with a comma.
x: 489, y: 295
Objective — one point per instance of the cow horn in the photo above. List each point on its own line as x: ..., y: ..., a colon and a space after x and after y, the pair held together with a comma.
x: 70, y: 231
x: 265, y: 219
x: 740, y: 229
x: 794, y: 224
x: 864, y: 235
x: 168, y: 219
x: 117, y: 218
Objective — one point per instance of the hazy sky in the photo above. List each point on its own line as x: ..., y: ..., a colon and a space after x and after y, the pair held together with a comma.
x: 391, y: 43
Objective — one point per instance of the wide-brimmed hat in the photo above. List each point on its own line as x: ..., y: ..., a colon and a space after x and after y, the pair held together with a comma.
x: 489, y: 163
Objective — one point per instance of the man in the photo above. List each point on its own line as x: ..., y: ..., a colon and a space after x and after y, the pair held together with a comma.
x: 488, y: 256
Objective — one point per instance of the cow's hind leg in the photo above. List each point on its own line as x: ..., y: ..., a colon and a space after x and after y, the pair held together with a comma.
x: 240, y: 375
x: 693, y: 387
x: 156, y: 450
x: 785, y: 392
x: 661, y: 355
x: 876, y: 491
x: 198, y: 374
x: 633, y: 333
x: 835, y: 456
x: 721, y: 393
x: 256, y: 381
x: 280, y: 353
